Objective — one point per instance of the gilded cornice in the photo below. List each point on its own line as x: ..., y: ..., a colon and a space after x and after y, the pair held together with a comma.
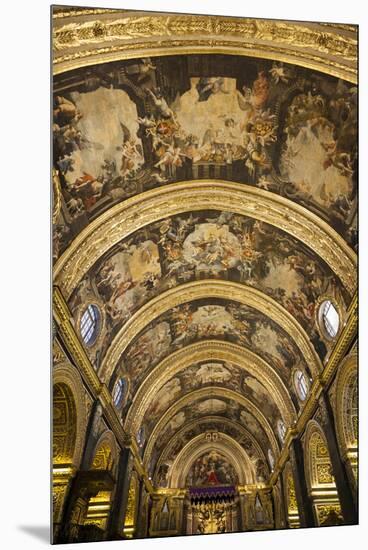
x: 213, y: 392
x: 88, y: 37
x: 99, y: 390
x: 151, y: 206
x: 208, y: 350
x: 235, y: 454
x: 215, y: 419
x: 341, y: 348
x: 187, y: 292
x: 63, y: 318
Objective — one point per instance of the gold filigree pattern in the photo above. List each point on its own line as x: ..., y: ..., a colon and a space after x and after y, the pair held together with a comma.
x: 118, y: 35
x: 209, y: 350
x: 243, y: 294
x: 139, y: 211
x: 215, y: 392
x: 197, y: 446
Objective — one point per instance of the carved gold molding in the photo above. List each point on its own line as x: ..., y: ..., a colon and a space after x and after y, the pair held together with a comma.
x: 348, y: 370
x: 211, y: 350
x: 146, y: 208
x: 235, y: 454
x: 221, y: 420
x: 213, y: 391
x: 342, y: 346
x: 88, y: 37
x: 187, y: 292
x: 99, y: 390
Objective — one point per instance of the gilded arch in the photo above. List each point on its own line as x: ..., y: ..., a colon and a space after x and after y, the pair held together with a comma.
x: 125, y: 35
x: 319, y: 475
x: 105, y: 456
x: 208, y: 350
x: 64, y: 373
x: 90, y: 37
x: 197, y: 446
x: 215, y: 392
x: 187, y: 292
x: 346, y: 411
x: 150, y: 206
x: 225, y: 425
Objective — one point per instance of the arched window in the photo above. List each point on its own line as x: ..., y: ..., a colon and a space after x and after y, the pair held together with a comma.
x: 271, y: 459
x: 119, y: 392
x: 301, y: 384
x: 89, y: 324
x: 329, y: 319
x: 281, y: 428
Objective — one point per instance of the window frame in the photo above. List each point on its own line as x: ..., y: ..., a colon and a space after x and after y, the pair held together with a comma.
x: 89, y: 324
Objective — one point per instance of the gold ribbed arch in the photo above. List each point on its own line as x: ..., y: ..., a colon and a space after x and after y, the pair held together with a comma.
x: 211, y: 350
x: 146, y: 208
x: 227, y: 290
x: 213, y: 392
x: 235, y: 454
x: 124, y: 34
x: 215, y: 419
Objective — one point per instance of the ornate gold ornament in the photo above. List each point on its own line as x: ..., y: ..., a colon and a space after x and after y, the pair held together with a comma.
x: 56, y: 194
x: 187, y: 292
x: 106, y: 453
x: 131, y: 508
x: 234, y: 453
x: 211, y: 350
x: 109, y: 36
x: 68, y: 378
x: 215, y: 392
x: 346, y: 413
x: 146, y: 208
x: 190, y: 425
x: 318, y: 468
x: 343, y: 344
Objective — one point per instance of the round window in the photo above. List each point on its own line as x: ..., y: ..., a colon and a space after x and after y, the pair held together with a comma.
x: 89, y: 324
x: 281, y: 429
x: 301, y: 384
x: 329, y: 319
x: 119, y: 392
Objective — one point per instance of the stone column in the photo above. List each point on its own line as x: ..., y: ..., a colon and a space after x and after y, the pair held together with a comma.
x: 77, y: 497
x: 346, y: 494
x: 118, y: 508
x: 305, y: 507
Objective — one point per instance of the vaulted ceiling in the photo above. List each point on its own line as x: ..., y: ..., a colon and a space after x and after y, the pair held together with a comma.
x: 206, y: 204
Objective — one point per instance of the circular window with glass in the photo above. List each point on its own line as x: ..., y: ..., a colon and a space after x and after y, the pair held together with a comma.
x: 301, y: 384
x: 329, y: 319
x: 89, y: 324
x: 119, y: 392
x: 281, y: 428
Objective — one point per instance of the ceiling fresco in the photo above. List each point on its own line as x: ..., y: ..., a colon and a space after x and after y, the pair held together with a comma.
x: 211, y: 429
x: 211, y: 468
x: 198, y: 410
x: 287, y: 137
x: 207, y: 375
x: 208, y: 245
x: 180, y: 118
x: 209, y: 319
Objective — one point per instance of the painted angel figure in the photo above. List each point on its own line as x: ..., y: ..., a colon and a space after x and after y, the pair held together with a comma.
x: 208, y: 86
x: 132, y: 154
x: 161, y: 104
